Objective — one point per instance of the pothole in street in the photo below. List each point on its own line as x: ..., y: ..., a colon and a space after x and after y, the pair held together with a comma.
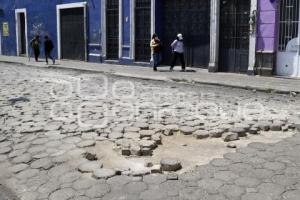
x: 188, y: 150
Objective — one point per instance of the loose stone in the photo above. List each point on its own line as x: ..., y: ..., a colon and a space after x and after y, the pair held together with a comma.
x: 169, y: 164
x: 230, y: 137
x: 231, y: 145
x: 187, y: 130
x: 216, y: 133
x: 90, y: 166
x: 201, y: 134
x: 104, y: 173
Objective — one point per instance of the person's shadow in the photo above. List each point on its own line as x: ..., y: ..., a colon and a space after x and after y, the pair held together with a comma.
x: 167, y: 70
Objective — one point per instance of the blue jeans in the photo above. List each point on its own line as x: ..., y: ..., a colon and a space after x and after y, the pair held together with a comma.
x: 156, y: 59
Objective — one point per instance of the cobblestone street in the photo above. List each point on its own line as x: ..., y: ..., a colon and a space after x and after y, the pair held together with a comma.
x: 78, y: 135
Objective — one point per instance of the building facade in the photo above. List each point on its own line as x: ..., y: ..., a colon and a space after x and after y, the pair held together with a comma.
x: 278, y: 43
x: 227, y: 36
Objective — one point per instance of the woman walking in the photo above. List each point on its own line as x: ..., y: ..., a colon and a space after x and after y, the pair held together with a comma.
x: 178, y: 52
x: 155, y: 45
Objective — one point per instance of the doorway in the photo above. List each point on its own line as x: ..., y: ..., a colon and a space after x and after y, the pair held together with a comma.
x: 234, y: 35
x: 192, y: 19
x: 72, y: 33
x: 112, y: 29
x: 142, y: 30
x: 21, y: 32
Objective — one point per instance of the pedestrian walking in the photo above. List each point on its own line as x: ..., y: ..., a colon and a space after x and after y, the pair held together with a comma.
x: 35, y: 45
x: 155, y: 45
x: 178, y: 52
x: 48, y: 45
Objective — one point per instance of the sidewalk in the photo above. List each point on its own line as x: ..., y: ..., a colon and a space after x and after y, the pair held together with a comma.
x: 199, y: 76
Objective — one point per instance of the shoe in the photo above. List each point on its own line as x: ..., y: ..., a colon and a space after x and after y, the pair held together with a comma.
x: 171, y: 69
x: 183, y: 70
x: 155, y: 69
x: 53, y: 61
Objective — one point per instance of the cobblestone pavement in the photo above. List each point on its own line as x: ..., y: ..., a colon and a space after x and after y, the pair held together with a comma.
x: 49, y: 119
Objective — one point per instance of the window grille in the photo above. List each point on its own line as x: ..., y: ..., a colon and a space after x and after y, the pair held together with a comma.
x: 288, y: 23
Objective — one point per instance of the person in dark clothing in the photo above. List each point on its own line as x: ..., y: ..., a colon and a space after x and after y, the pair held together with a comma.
x: 155, y: 45
x: 48, y: 45
x: 178, y: 52
x: 35, y: 45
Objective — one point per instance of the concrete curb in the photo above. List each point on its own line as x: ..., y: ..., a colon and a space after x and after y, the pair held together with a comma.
x: 161, y: 78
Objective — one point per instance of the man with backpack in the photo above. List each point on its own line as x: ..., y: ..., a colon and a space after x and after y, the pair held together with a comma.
x: 48, y: 45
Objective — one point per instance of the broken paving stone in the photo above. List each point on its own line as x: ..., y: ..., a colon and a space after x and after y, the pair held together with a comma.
x: 86, y: 143
x: 132, y: 129
x: 103, y: 173
x: 239, y: 130
x: 254, y: 130
x: 2, y: 138
x: 285, y: 128
x: 146, y: 151
x: 127, y: 173
x: 89, y: 135
x: 172, y: 127
x: 90, y: 156
x: 216, y: 133
x: 187, y: 130
x: 157, y: 127
x: 265, y: 126
x: 90, y: 166
x: 225, y: 127
x: 276, y: 126
x: 169, y: 164
x: 115, y: 135
x: 147, y: 133
x: 156, y: 169
x: 141, y: 172
x: 242, y: 125
x: 142, y: 125
x: 120, y: 170
x: 230, y: 137
x: 147, y: 144
x: 132, y: 135
x: 201, y: 134
x: 172, y: 176
x: 148, y: 164
x: 293, y: 94
x: 125, y: 152
x: 135, y: 150
x: 231, y: 145
x: 124, y: 143
x: 157, y: 138
x: 118, y: 129
x: 168, y: 132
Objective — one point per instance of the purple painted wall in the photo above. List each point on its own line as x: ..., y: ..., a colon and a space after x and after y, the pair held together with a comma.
x: 267, y: 26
